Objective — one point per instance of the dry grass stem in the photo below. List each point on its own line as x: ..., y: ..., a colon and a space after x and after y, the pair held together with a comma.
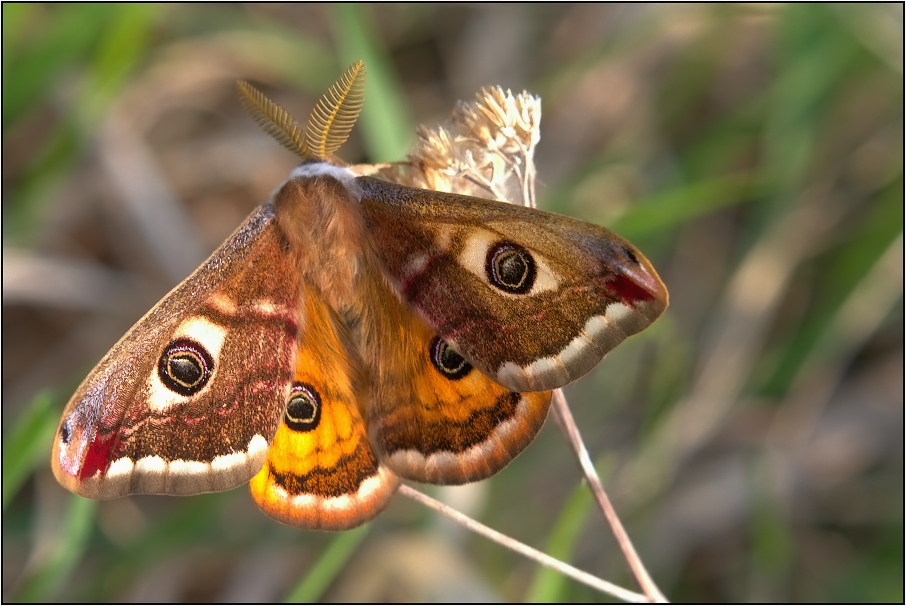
x: 571, y: 433
x: 521, y: 548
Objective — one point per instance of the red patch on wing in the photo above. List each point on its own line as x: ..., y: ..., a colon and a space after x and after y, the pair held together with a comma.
x: 98, y: 456
x: 628, y: 290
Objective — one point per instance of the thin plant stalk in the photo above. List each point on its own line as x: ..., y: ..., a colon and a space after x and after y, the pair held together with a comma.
x: 521, y: 548
x: 571, y: 432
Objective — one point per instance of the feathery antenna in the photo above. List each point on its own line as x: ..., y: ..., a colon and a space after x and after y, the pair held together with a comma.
x: 275, y: 120
x: 336, y: 113
x: 329, y: 125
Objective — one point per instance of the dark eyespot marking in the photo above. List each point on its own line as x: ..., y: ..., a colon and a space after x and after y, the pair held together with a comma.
x: 447, y: 362
x: 510, y: 268
x: 303, y: 410
x: 65, y: 433
x: 185, y: 367
x: 630, y: 254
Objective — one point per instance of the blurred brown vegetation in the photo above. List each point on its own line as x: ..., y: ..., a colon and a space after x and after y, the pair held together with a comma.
x: 752, y: 440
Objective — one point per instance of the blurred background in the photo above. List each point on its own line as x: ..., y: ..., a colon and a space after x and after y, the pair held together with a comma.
x: 752, y: 439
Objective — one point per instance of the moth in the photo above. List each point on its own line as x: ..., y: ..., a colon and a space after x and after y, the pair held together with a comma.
x: 351, y: 333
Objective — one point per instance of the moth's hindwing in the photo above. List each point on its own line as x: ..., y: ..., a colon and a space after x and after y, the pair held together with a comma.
x: 434, y: 418
x: 321, y: 472
x: 532, y: 299
x: 189, y: 399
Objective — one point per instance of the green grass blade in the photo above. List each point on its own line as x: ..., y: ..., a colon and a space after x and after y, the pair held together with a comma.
x: 549, y: 585
x: 122, y: 45
x: 61, y: 37
x: 846, y: 268
x: 673, y: 207
x: 319, y: 577
x: 387, y: 127
x: 29, y: 443
x: 75, y: 534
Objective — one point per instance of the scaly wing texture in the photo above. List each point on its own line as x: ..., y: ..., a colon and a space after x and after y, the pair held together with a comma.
x: 174, y: 407
x: 432, y: 416
x: 321, y: 472
x: 532, y: 299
